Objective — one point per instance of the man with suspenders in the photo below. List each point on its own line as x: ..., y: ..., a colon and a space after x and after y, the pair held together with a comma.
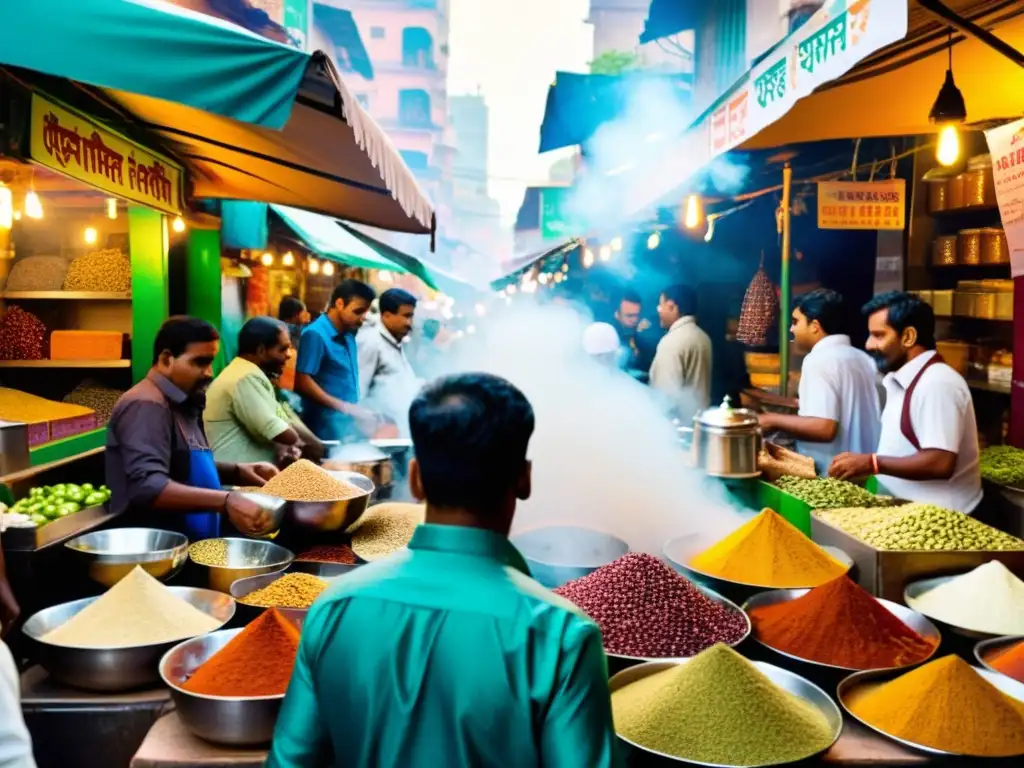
x: 928, y: 450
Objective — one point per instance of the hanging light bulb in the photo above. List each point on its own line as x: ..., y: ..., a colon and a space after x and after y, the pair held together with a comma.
x: 480, y: 309
x: 605, y: 252
x: 17, y: 215
x: 653, y: 241
x: 91, y: 235
x: 565, y: 267
x: 288, y: 259
x: 314, y: 267
x: 328, y: 268
x: 511, y: 289
x: 616, y: 243
x: 111, y: 207
x: 948, y: 150
x: 588, y: 258
x: 692, y: 216
x: 6, y: 207
x: 711, y: 230
x: 267, y: 259
x: 33, y: 205
x: 178, y: 225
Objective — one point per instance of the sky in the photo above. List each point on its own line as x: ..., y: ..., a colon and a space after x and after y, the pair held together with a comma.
x: 510, y: 51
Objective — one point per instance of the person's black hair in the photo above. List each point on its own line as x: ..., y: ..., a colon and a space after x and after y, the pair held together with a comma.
x: 630, y: 296
x: 470, y: 433
x: 393, y: 299
x: 259, y: 332
x: 178, y: 332
x: 347, y: 290
x: 431, y: 327
x: 290, y: 308
x: 825, y: 306
x: 906, y: 311
x: 683, y: 296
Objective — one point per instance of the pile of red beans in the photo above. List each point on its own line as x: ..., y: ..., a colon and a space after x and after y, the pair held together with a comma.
x: 646, y: 609
x: 329, y: 554
x: 22, y: 336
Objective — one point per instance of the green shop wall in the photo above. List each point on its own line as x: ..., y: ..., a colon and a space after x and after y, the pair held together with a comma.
x: 147, y: 237
x: 203, y: 284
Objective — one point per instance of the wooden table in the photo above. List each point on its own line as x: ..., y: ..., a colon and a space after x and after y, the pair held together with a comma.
x: 169, y: 744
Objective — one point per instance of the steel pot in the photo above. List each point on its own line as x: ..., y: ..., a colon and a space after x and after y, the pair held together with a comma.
x: 362, y: 458
x: 727, y: 441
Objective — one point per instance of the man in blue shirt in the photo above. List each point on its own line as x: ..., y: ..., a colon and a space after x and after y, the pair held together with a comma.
x: 447, y: 653
x: 327, y: 370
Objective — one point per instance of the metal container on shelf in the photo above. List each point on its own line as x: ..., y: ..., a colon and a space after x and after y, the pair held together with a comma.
x: 969, y: 246
x: 944, y: 251
x: 965, y: 298
x: 955, y: 192
x: 13, y: 447
x: 938, y: 194
x: 726, y: 441
x: 994, y: 248
x: 985, y: 305
x: 979, y: 183
x: 942, y: 302
x: 956, y: 354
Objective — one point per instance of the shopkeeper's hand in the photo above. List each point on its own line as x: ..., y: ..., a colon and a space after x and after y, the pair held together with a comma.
x: 366, y: 421
x: 246, y: 515
x: 767, y: 420
x: 850, y: 466
x: 256, y: 474
x: 287, y: 454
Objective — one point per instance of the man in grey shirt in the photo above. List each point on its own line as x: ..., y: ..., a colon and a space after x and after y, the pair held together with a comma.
x: 387, y: 381
x: 681, y: 370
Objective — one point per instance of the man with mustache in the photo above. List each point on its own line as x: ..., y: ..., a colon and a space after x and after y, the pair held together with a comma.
x: 928, y: 450
x: 159, y: 465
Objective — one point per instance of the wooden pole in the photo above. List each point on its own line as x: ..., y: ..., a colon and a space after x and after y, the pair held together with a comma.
x: 784, y: 287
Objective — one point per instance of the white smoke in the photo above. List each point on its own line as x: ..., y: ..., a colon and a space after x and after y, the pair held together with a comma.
x: 604, y: 454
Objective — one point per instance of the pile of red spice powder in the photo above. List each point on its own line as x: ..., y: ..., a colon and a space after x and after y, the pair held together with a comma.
x: 840, y: 624
x: 646, y: 609
x: 329, y: 554
x: 1010, y: 661
x: 257, y: 662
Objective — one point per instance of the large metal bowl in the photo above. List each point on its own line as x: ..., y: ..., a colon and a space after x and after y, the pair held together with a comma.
x: 986, y: 650
x: 108, y: 556
x: 911, y: 618
x: 241, y: 588
x: 332, y: 516
x: 245, y: 557
x: 557, y: 554
x: 272, y: 505
x: 681, y: 550
x: 851, y: 685
x: 111, y: 669
x: 231, y: 720
x: 784, y: 679
x: 913, y: 591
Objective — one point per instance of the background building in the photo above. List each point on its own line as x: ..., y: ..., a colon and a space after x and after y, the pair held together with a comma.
x: 477, y: 215
x: 618, y: 25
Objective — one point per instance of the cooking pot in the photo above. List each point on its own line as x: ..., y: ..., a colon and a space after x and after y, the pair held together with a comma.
x: 363, y: 458
x: 726, y: 441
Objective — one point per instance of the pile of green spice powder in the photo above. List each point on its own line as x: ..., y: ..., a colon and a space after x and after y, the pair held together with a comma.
x: 718, y: 708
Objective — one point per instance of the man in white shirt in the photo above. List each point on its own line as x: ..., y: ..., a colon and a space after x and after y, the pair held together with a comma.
x: 839, y: 409
x: 15, y: 743
x: 682, y: 364
x: 928, y: 451
x: 387, y: 381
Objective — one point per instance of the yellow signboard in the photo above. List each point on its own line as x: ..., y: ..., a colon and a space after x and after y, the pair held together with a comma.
x: 862, y: 204
x: 77, y: 147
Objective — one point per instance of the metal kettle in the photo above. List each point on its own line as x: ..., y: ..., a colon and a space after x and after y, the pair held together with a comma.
x: 727, y: 441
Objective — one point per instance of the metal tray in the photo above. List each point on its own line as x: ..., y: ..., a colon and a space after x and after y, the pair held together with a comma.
x: 915, y: 589
x: 987, y: 649
x: 916, y: 621
x: 850, y: 684
x: 788, y: 681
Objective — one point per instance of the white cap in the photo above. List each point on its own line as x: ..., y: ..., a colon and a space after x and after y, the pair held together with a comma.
x: 600, y: 339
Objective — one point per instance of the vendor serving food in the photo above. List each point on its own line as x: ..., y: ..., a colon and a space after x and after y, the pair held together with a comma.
x: 928, y: 451
x: 158, y: 463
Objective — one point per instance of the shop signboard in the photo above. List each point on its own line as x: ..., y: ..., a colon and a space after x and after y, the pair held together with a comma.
x: 75, y: 146
x: 554, y: 213
x: 1006, y: 144
x: 877, y: 205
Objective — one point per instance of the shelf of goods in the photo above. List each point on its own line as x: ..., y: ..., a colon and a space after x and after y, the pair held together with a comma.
x: 66, y: 295
x: 65, y: 363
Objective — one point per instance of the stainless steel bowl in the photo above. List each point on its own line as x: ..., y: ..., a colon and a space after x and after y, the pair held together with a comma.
x: 850, y: 686
x: 245, y: 557
x: 710, y: 593
x: 679, y: 551
x: 241, y: 588
x: 231, y: 720
x: 334, y: 515
x: 111, y: 669
x: 911, y: 618
x: 913, y: 591
x: 272, y: 505
x: 986, y: 650
x: 108, y: 556
x: 786, y: 680
x: 560, y: 553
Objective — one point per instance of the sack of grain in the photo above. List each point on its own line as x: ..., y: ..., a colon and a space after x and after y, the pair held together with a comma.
x: 37, y: 273
x: 774, y: 461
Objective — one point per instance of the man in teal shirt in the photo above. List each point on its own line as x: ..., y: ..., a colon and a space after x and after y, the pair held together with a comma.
x: 447, y: 654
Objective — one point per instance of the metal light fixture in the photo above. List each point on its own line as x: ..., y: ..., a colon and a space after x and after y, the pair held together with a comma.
x: 288, y: 259
x: 267, y: 259
x: 948, y: 110
x: 178, y: 225
x: 91, y: 235
x: 314, y: 267
x: 328, y: 269
x: 111, y: 207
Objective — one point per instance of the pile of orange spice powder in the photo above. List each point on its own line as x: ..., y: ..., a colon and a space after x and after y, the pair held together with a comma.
x: 840, y: 624
x: 1010, y: 661
x: 257, y: 662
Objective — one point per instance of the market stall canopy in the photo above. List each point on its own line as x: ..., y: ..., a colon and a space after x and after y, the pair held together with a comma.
x: 668, y: 17
x: 338, y: 242
x: 830, y: 44
x: 254, y: 119
x: 519, y: 264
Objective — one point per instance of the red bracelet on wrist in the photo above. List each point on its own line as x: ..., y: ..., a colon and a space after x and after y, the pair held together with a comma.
x: 874, y: 462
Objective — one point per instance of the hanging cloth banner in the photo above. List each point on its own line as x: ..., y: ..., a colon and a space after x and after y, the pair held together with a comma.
x: 1006, y: 144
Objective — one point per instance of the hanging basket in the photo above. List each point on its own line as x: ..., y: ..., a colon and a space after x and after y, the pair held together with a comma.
x: 759, y: 310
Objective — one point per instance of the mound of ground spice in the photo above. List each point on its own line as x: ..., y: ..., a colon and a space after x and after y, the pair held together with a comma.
x: 293, y: 590
x: 840, y: 624
x: 768, y: 551
x: 945, y: 705
x: 257, y: 662
x: 328, y: 553
x: 1010, y: 661
x: 646, y: 609
x: 719, y: 708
